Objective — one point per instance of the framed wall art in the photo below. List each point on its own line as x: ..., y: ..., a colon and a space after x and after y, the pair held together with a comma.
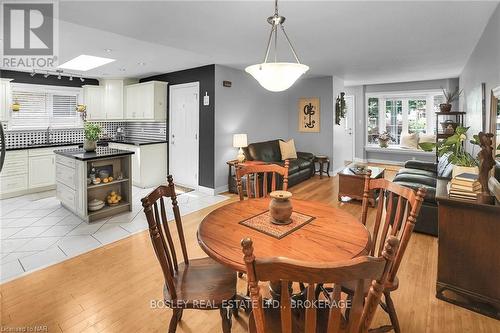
x: 309, y: 115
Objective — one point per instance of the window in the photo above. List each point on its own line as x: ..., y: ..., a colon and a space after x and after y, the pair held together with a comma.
x: 42, y: 106
x: 401, y: 112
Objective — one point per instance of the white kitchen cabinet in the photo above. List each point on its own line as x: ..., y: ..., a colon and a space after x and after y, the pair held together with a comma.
x: 146, y: 101
x: 29, y: 171
x: 113, y: 99
x: 149, y: 163
x: 5, y: 99
x: 41, y: 171
x: 93, y: 98
x: 14, y: 176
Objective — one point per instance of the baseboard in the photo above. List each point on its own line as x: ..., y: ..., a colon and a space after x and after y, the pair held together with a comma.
x: 206, y: 190
x: 19, y: 193
x: 222, y: 189
x: 371, y: 160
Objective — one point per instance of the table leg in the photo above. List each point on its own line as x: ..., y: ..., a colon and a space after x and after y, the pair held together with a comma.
x: 328, y: 169
x: 321, y: 170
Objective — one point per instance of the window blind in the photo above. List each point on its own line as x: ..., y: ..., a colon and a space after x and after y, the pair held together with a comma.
x: 33, y: 109
x: 43, y: 106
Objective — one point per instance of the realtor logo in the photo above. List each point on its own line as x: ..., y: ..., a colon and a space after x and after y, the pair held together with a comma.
x: 29, y: 34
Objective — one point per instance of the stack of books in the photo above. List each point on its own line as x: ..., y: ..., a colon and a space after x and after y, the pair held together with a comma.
x: 465, y: 186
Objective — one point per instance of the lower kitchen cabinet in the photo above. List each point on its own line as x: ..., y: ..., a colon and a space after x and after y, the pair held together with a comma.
x: 149, y: 163
x: 28, y: 171
x: 42, y: 171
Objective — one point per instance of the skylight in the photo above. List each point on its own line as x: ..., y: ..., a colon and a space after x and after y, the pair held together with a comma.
x: 85, y: 62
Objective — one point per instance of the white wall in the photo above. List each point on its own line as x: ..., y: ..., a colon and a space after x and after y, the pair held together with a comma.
x: 483, y: 66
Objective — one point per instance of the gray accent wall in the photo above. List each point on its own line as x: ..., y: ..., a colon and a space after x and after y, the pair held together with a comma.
x: 483, y: 66
x: 318, y: 143
x: 248, y: 108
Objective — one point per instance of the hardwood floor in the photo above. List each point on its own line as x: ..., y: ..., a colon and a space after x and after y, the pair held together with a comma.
x: 111, y: 288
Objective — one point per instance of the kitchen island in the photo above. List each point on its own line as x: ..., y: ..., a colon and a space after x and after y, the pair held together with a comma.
x: 94, y: 185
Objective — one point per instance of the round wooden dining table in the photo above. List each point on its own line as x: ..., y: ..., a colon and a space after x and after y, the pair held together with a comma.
x: 333, y: 235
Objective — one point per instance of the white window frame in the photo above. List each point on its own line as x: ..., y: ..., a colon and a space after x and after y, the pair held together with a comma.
x: 52, y: 122
x: 428, y: 95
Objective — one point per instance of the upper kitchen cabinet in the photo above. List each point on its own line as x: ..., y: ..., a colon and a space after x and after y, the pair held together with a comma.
x: 5, y: 99
x: 104, y: 102
x: 146, y: 101
x: 113, y: 99
x: 93, y: 98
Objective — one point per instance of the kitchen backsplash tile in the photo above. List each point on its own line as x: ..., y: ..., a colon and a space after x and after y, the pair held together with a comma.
x: 143, y: 130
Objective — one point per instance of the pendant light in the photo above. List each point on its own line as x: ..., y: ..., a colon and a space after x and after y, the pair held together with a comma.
x: 277, y: 76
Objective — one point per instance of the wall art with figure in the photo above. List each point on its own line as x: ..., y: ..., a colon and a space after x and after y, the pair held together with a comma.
x: 309, y: 115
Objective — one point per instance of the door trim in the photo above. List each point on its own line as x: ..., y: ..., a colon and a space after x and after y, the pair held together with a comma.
x: 353, y: 129
x: 197, y: 155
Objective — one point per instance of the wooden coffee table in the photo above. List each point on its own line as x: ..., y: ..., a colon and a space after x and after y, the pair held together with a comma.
x: 351, y: 186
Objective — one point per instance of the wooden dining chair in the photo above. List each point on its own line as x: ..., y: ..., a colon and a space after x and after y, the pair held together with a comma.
x: 316, y: 315
x: 192, y: 283
x: 255, y: 173
x: 396, y: 213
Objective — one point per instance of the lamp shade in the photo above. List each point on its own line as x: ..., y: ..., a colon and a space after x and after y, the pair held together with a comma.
x: 239, y: 140
x: 277, y: 76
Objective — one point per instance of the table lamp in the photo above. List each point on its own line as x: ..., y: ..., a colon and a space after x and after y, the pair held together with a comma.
x: 240, y: 141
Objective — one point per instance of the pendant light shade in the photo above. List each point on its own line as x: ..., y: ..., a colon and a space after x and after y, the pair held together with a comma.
x: 277, y: 76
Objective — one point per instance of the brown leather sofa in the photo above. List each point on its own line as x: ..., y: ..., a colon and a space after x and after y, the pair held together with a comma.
x: 300, y: 169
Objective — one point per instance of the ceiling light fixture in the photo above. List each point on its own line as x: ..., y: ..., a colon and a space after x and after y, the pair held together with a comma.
x: 277, y: 76
x: 71, y: 77
x: 82, y: 79
x: 85, y: 62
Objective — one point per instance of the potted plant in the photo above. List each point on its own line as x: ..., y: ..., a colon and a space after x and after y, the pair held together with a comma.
x: 454, y: 148
x: 383, y: 139
x: 91, y: 134
x: 449, y: 96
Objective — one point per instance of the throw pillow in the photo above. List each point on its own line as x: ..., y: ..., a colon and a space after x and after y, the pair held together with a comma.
x: 287, y: 149
x: 409, y: 141
x: 424, y: 137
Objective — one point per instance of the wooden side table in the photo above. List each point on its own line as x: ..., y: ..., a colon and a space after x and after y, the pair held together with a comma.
x: 352, y: 185
x: 468, y: 267
x: 322, y: 160
x: 231, y: 178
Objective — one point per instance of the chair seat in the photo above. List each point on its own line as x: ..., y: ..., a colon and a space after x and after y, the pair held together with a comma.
x: 204, y: 283
x: 273, y: 321
x: 348, y: 287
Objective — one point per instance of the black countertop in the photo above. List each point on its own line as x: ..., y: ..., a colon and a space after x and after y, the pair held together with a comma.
x: 100, y: 142
x: 100, y: 152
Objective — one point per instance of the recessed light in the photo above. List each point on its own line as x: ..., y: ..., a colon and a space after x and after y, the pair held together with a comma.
x: 85, y: 62
x: 141, y: 63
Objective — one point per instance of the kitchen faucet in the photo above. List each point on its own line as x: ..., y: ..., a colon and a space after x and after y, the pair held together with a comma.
x: 47, y: 134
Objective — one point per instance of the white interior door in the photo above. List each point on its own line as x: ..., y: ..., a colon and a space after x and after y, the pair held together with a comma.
x: 344, y: 137
x: 183, y: 142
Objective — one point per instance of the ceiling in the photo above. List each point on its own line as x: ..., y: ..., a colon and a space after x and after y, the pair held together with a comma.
x: 361, y: 42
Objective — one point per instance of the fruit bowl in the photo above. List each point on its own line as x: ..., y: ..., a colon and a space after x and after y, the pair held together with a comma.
x: 95, y: 205
x: 113, y: 199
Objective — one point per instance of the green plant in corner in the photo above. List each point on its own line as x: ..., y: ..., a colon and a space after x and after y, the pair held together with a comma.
x: 453, y: 146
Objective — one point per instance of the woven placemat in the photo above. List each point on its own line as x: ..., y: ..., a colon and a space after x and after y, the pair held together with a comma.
x: 262, y: 223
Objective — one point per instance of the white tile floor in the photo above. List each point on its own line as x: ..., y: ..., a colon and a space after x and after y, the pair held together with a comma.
x: 36, y: 231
